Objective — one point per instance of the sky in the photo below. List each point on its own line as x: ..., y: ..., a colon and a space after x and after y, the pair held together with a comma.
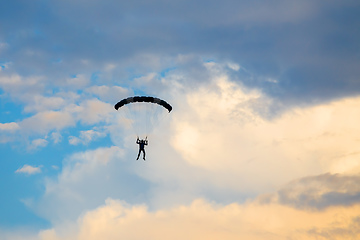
x: 262, y: 142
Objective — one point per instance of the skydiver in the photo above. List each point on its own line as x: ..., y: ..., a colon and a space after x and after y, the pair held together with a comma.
x: 142, y: 144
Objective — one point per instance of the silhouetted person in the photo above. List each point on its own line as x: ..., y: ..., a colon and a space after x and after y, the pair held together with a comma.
x: 142, y: 144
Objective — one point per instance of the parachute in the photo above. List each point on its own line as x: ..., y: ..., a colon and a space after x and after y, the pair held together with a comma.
x: 143, y: 99
x: 142, y: 114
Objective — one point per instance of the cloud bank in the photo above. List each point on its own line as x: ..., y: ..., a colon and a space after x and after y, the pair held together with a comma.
x: 201, y: 219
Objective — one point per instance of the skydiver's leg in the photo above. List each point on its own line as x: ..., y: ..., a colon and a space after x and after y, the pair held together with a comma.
x: 143, y: 153
x: 138, y: 155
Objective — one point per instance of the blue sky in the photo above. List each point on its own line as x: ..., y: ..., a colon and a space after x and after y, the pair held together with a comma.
x: 265, y: 116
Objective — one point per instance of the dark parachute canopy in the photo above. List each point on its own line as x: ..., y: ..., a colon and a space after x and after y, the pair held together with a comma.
x: 143, y: 99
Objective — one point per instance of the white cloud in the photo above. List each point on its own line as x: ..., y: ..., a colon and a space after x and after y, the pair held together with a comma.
x: 61, y: 111
x: 55, y: 167
x: 109, y: 94
x: 86, y: 137
x: 43, y: 122
x: 39, y: 103
x: 37, y: 143
x: 92, y: 111
x: 7, y: 131
x: 29, y: 169
x: 74, y: 140
x: 56, y: 137
x: 22, y: 88
x: 109, y: 67
x: 79, y: 81
x: 85, y: 180
x: 10, y: 80
x: 234, y: 66
x: 12, y: 126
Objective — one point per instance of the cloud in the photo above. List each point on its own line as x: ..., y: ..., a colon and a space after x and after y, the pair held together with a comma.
x: 12, y: 126
x: 202, y: 219
x: 20, y: 88
x: 43, y: 122
x: 85, y: 180
x: 56, y: 137
x: 77, y: 82
x: 86, y: 137
x: 319, y: 192
x: 55, y: 167
x: 55, y: 113
x: 338, y: 232
x: 89, y: 112
x: 109, y: 94
x: 37, y: 143
x: 93, y: 111
x: 30, y: 170
x: 7, y: 131
x: 232, y: 146
x: 4, y: 65
x: 300, y: 44
x: 38, y: 103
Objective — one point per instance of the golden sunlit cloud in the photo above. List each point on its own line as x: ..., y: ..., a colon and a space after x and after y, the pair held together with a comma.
x: 204, y: 220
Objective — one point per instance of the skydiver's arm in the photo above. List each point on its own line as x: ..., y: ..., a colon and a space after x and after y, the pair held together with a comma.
x: 146, y: 142
x: 138, y: 141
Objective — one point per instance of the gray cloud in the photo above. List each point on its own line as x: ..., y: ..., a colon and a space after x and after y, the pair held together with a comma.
x: 311, y: 48
x: 319, y: 192
x: 349, y: 231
